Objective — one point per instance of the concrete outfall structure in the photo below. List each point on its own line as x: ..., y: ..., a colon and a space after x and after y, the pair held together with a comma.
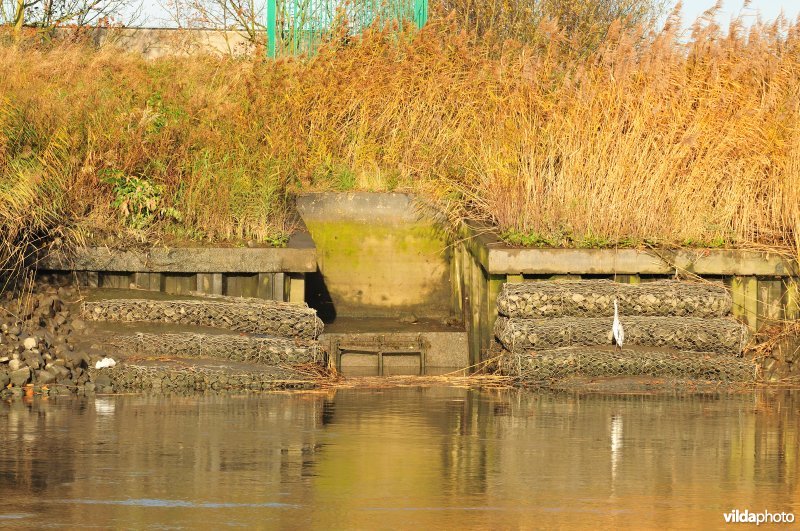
x: 398, y: 291
x: 384, y: 284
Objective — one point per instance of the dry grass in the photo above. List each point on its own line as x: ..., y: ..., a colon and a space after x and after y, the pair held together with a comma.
x: 583, y: 23
x: 771, y: 340
x: 652, y: 138
x: 109, y: 147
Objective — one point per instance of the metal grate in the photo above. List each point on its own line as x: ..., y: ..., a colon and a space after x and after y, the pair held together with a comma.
x: 296, y: 27
x: 380, y: 347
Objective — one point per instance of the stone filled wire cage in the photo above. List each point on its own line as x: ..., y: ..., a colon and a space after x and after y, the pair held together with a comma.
x: 555, y: 364
x: 239, y: 314
x: 679, y: 330
x: 594, y: 298
x: 724, y: 336
x: 263, y: 350
x: 296, y: 27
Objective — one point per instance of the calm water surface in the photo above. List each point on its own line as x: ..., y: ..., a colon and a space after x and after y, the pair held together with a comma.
x: 398, y: 458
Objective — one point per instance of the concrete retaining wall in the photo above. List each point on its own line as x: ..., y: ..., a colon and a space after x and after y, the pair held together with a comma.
x: 159, y: 42
x: 384, y: 255
x: 268, y: 273
x: 765, y: 287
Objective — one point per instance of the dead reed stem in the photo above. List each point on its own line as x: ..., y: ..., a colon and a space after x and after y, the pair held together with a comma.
x: 653, y: 138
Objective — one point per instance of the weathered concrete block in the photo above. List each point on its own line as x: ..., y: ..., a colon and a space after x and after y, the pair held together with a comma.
x: 298, y: 256
x: 210, y: 283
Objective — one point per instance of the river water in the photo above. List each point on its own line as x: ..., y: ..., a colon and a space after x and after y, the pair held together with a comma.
x: 398, y: 458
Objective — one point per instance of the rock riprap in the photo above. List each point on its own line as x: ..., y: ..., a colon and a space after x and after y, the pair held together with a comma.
x: 595, y: 298
x: 38, y: 344
x: 723, y: 336
x: 263, y: 350
x: 255, y: 316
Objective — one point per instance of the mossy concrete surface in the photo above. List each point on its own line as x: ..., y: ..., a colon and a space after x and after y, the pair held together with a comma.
x: 380, y: 255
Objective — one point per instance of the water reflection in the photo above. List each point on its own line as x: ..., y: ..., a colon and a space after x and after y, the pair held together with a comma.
x: 616, y: 445
x: 399, y: 458
x: 104, y: 406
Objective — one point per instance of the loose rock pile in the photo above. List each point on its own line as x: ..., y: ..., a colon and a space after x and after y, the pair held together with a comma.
x: 255, y: 316
x: 38, y: 342
x: 553, y: 330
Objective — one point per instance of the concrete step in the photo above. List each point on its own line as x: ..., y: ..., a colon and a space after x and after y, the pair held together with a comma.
x: 720, y: 335
x: 249, y: 315
x: 606, y: 362
x: 595, y: 298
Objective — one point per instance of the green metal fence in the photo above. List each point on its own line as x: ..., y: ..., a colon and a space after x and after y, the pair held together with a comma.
x: 299, y: 26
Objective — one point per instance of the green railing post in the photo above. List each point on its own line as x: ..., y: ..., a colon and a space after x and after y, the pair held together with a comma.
x: 272, y: 8
x: 306, y: 23
x: 421, y: 12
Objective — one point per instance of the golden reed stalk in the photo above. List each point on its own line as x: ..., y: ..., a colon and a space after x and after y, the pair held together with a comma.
x: 648, y: 138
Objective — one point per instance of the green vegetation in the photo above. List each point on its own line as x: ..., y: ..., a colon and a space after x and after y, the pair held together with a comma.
x: 138, y: 200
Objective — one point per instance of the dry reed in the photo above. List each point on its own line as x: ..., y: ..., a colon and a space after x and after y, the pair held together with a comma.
x: 653, y: 138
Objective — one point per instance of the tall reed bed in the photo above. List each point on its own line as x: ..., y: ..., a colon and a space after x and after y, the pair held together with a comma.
x: 651, y: 138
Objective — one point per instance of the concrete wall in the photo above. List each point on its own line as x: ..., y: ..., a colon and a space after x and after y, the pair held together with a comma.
x: 263, y: 272
x: 160, y: 42
x: 380, y: 255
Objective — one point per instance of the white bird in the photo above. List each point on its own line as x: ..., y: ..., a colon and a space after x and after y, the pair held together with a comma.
x: 616, y: 328
x: 105, y: 363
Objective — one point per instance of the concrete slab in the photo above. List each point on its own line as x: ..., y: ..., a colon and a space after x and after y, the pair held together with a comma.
x: 497, y: 257
x: 298, y: 257
x: 443, y: 349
